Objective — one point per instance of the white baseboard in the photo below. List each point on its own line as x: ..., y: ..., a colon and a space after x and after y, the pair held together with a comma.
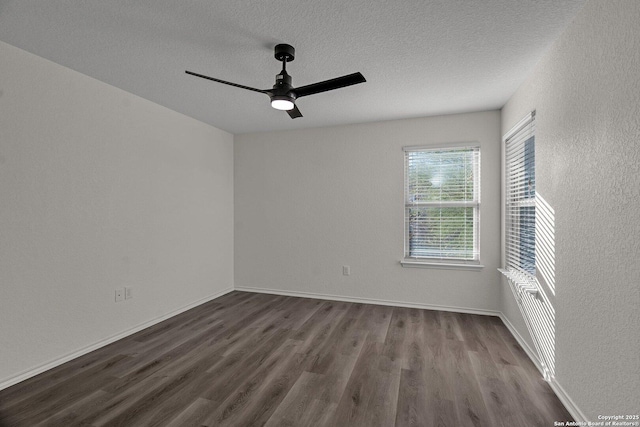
x: 568, y: 403
x: 523, y: 343
x: 562, y: 395
x: 375, y: 301
x: 8, y: 382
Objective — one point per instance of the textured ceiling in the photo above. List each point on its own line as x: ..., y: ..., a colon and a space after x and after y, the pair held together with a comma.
x: 420, y: 57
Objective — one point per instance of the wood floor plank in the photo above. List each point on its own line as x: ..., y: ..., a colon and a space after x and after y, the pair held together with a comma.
x: 163, y: 353
x: 273, y: 392
x: 28, y: 388
x: 437, y: 371
x: 175, y: 400
x: 394, y: 354
x: 193, y: 414
x: 353, y: 406
x: 470, y: 334
x: 257, y: 359
x: 74, y: 413
x: 530, y: 407
x: 297, y: 402
x: 119, y: 402
x: 66, y: 393
x: 382, y: 405
x: 413, y: 408
x: 415, y: 342
x: 470, y: 406
x: 327, y: 313
x: 494, y: 343
x: 450, y: 325
x: 245, y: 398
x: 316, y: 340
x: 521, y: 357
x: 319, y: 414
x: 482, y: 364
x: 232, y: 369
x: 498, y: 401
x: 137, y: 409
x: 295, y: 312
x: 345, y: 339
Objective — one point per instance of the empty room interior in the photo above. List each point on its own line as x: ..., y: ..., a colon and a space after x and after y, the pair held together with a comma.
x: 431, y: 218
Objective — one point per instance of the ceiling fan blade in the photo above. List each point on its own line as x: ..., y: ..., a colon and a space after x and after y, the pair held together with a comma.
x: 332, y: 84
x: 225, y: 82
x: 294, y: 113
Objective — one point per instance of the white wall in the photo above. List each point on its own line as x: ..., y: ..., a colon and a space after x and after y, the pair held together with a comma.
x: 586, y: 92
x: 309, y: 201
x: 100, y: 189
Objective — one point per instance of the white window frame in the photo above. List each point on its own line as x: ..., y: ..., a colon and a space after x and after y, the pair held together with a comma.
x: 438, y: 262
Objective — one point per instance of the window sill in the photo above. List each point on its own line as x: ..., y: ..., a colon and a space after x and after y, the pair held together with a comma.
x: 434, y: 264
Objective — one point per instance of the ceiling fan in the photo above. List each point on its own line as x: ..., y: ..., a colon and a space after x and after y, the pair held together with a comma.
x: 283, y: 95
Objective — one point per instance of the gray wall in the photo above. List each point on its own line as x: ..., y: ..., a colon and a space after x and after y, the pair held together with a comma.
x: 308, y: 202
x: 101, y: 189
x: 586, y: 92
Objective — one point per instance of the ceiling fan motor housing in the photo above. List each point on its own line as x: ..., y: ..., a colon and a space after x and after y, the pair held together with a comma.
x: 283, y: 89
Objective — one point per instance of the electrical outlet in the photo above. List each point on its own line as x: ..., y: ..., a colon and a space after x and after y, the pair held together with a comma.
x: 346, y: 270
x: 119, y: 295
x: 128, y: 293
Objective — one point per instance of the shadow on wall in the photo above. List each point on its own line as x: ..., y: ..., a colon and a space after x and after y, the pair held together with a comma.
x: 545, y: 243
x: 540, y: 312
x: 529, y: 292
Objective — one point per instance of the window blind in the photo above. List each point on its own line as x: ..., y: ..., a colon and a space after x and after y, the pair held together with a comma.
x: 520, y: 236
x: 520, y: 214
x: 442, y: 201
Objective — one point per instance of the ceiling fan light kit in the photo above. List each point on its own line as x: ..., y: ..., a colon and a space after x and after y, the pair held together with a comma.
x: 283, y: 104
x: 283, y: 95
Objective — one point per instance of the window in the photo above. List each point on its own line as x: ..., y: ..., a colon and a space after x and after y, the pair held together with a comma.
x: 520, y: 193
x: 526, y: 214
x: 442, y: 204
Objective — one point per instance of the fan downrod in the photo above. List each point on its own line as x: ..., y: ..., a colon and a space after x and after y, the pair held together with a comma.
x: 284, y: 52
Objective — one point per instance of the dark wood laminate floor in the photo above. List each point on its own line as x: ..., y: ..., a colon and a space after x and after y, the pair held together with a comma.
x: 249, y: 359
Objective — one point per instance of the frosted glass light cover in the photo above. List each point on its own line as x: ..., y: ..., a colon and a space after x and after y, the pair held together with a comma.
x: 282, y: 104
